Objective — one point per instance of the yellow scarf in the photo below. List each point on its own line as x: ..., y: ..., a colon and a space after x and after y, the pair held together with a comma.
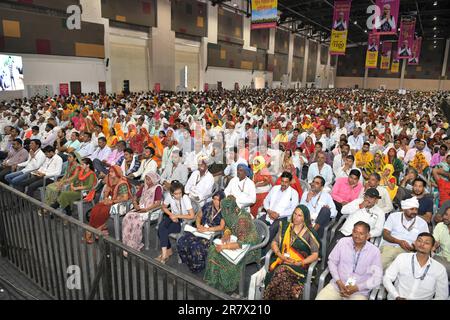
x: 262, y: 164
x: 286, y: 248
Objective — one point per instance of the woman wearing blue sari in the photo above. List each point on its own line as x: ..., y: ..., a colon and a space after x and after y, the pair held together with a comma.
x: 193, y: 250
x: 295, y: 247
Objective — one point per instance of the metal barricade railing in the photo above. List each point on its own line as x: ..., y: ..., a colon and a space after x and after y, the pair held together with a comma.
x: 49, y: 249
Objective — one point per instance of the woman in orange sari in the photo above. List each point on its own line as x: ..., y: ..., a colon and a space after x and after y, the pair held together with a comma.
x: 105, y: 125
x: 96, y: 117
x: 119, y: 131
x: 132, y: 132
x: 156, y: 144
x: 263, y: 182
x: 117, y: 190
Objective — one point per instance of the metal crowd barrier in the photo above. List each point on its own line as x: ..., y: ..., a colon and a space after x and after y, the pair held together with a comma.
x: 49, y: 249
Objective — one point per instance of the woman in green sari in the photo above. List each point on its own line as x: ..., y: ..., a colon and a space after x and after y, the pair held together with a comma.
x: 220, y: 273
x: 53, y: 190
x: 295, y: 247
x: 84, y: 182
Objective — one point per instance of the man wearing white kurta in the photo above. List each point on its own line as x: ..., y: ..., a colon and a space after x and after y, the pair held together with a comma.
x: 417, y: 276
x: 320, y: 168
x: 242, y: 188
x: 401, y: 230
x: 279, y: 204
x: 200, y: 185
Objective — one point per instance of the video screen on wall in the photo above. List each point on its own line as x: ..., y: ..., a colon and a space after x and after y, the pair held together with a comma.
x: 11, y: 73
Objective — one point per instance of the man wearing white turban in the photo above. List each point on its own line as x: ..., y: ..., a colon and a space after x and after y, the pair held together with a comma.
x: 401, y: 230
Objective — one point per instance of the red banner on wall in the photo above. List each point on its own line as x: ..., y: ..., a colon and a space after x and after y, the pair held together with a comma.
x: 406, y: 38
x: 341, y: 19
x: 414, y: 60
x: 64, y: 89
x: 386, y: 52
x: 386, y: 20
x: 157, y: 87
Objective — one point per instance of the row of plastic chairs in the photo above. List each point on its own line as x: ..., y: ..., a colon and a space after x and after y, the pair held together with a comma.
x: 156, y: 215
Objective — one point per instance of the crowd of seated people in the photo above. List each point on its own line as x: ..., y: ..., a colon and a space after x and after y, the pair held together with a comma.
x: 374, y: 165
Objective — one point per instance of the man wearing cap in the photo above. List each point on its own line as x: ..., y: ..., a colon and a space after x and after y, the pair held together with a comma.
x: 385, y: 202
x: 401, y: 230
x: 365, y: 210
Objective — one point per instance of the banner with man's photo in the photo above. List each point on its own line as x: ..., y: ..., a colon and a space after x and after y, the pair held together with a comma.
x: 264, y: 14
x: 386, y: 21
x: 417, y: 46
x: 386, y: 52
x: 341, y: 19
x: 372, y: 51
x: 406, y: 38
x: 395, y: 66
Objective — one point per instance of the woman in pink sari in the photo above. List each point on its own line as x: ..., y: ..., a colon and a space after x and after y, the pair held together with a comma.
x: 150, y: 199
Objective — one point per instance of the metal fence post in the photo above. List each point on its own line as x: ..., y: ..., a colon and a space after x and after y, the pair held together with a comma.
x: 3, y: 244
x: 107, y: 275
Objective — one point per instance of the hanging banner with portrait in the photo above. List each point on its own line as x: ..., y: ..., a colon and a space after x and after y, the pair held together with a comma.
x: 386, y: 52
x: 373, y: 45
x: 387, y: 17
x: 406, y: 38
x: 395, y: 66
x: 341, y: 19
x: 417, y: 46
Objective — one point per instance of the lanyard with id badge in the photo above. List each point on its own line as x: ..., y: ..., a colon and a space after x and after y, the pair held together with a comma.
x: 351, y: 281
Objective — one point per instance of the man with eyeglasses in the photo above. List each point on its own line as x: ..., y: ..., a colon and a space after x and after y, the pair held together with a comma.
x: 417, y: 276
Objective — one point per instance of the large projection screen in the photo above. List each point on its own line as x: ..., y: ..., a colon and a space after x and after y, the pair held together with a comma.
x: 11, y: 73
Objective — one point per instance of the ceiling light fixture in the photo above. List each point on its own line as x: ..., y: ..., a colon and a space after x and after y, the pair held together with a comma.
x: 435, y: 3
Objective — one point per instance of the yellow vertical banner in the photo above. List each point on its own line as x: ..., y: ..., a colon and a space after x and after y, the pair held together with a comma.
x: 395, y: 66
x: 386, y: 52
x: 341, y: 18
x: 372, y: 51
